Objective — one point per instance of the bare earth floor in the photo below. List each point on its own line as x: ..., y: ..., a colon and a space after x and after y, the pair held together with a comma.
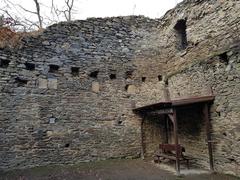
x: 107, y: 170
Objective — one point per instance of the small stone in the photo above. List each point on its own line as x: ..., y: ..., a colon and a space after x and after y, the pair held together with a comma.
x: 96, y: 87
x: 52, y: 83
x: 46, y: 43
x: 49, y: 133
x: 42, y: 83
x: 125, y: 50
x: 131, y: 89
x: 229, y: 67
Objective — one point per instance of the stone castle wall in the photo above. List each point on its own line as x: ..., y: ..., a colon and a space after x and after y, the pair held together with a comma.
x: 223, y: 78
x: 67, y: 94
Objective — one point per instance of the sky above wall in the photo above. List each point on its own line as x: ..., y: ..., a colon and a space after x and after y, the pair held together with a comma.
x: 103, y: 8
x: 92, y: 8
x: 106, y: 8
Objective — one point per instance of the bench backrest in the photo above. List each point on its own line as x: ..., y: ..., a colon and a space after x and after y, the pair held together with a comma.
x: 169, y: 148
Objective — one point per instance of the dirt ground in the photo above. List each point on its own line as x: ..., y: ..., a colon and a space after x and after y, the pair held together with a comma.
x: 106, y: 170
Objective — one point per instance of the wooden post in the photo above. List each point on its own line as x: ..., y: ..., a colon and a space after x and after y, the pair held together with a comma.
x: 166, y: 128
x: 175, y: 128
x: 142, y: 140
x: 209, y: 139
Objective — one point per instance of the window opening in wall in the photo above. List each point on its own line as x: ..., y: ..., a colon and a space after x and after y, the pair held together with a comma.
x: 180, y: 28
x: 112, y: 76
x: 143, y: 79
x: 75, y: 71
x: 67, y: 145
x: 29, y: 66
x: 126, y: 87
x: 166, y: 82
x: 159, y: 77
x: 119, y: 122
x: 20, y: 82
x: 53, y: 68
x: 128, y: 74
x: 94, y: 74
x: 4, y: 63
x: 224, y: 58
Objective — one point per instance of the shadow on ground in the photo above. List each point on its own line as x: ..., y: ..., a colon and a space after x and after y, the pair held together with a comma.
x: 105, y: 170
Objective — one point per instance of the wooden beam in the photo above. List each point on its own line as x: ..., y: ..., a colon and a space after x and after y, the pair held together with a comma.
x: 175, y: 128
x: 209, y: 139
x: 171, y: 117
x: 142, y: 139
x: 166, y: 128
x: 161, y: 111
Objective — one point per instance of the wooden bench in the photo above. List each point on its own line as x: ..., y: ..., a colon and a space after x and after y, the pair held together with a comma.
x: 168, y: 151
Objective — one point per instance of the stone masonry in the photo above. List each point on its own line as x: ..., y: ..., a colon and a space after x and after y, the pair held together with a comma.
x: 67, y: 94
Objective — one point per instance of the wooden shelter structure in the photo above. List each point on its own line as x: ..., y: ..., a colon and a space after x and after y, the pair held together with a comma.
x: 169, y: 109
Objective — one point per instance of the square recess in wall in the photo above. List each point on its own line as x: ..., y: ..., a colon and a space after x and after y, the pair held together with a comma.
x: 29, y: 66
x: 112, y: 76
x: 53, y: 68
x: 160, y: 78
x: 75, y: 71
x: 94, y: 74
x: 4, y: 63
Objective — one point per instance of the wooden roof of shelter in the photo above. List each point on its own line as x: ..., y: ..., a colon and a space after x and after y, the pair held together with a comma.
x: 169, y: 109
x: 175, y: 103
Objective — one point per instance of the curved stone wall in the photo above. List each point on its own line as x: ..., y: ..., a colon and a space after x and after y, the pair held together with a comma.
x: 67, y: 94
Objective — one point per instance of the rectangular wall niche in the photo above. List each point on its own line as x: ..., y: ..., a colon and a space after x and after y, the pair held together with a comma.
x: 112, y: 76
x: 75, y: 71
x: 53, y: 68
x: 30, y: 66
x: 180, y: 28
x: 4, y: 63
x: 21, y: 82
x: 94, y: 74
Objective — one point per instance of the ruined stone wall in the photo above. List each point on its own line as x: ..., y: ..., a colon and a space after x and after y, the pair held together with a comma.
x: 209, y: 63
x: 221, y: 73
x: 67, y: 95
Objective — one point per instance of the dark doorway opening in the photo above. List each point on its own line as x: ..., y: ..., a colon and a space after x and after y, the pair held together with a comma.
x: 180, y: 28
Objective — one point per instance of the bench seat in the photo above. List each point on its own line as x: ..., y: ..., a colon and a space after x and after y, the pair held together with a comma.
x: 166, y: 151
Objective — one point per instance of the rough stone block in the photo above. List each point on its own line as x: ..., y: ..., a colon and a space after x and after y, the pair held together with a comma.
x: 52, y: 83
x: 131, y: 89
x: 42, y: 83
x: 95, y: 87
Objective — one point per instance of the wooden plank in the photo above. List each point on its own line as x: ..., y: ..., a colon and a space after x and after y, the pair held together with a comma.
x: 166, y: 128
x: 142, y: 139
x: 209, y: 141
x: 161, y: 111
x: 175, y: 127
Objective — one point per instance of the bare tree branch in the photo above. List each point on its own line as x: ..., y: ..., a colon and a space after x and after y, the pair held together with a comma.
x: 15, y: 14
x: 68, y: 11
x: 33, y: 12
x: 38, y: 13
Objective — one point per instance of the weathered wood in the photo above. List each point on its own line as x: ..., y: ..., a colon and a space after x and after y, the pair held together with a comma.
x: 209, y: 140
x: 142, y: 140
x: 161, y: 111
x: 166, y: 129
x: 170, y: 117
x: 175, y: 127
x: 169, y: 151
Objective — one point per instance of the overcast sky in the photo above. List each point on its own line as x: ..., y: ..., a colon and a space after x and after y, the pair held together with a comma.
x: 98, y: 8
x: 103, y: 8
